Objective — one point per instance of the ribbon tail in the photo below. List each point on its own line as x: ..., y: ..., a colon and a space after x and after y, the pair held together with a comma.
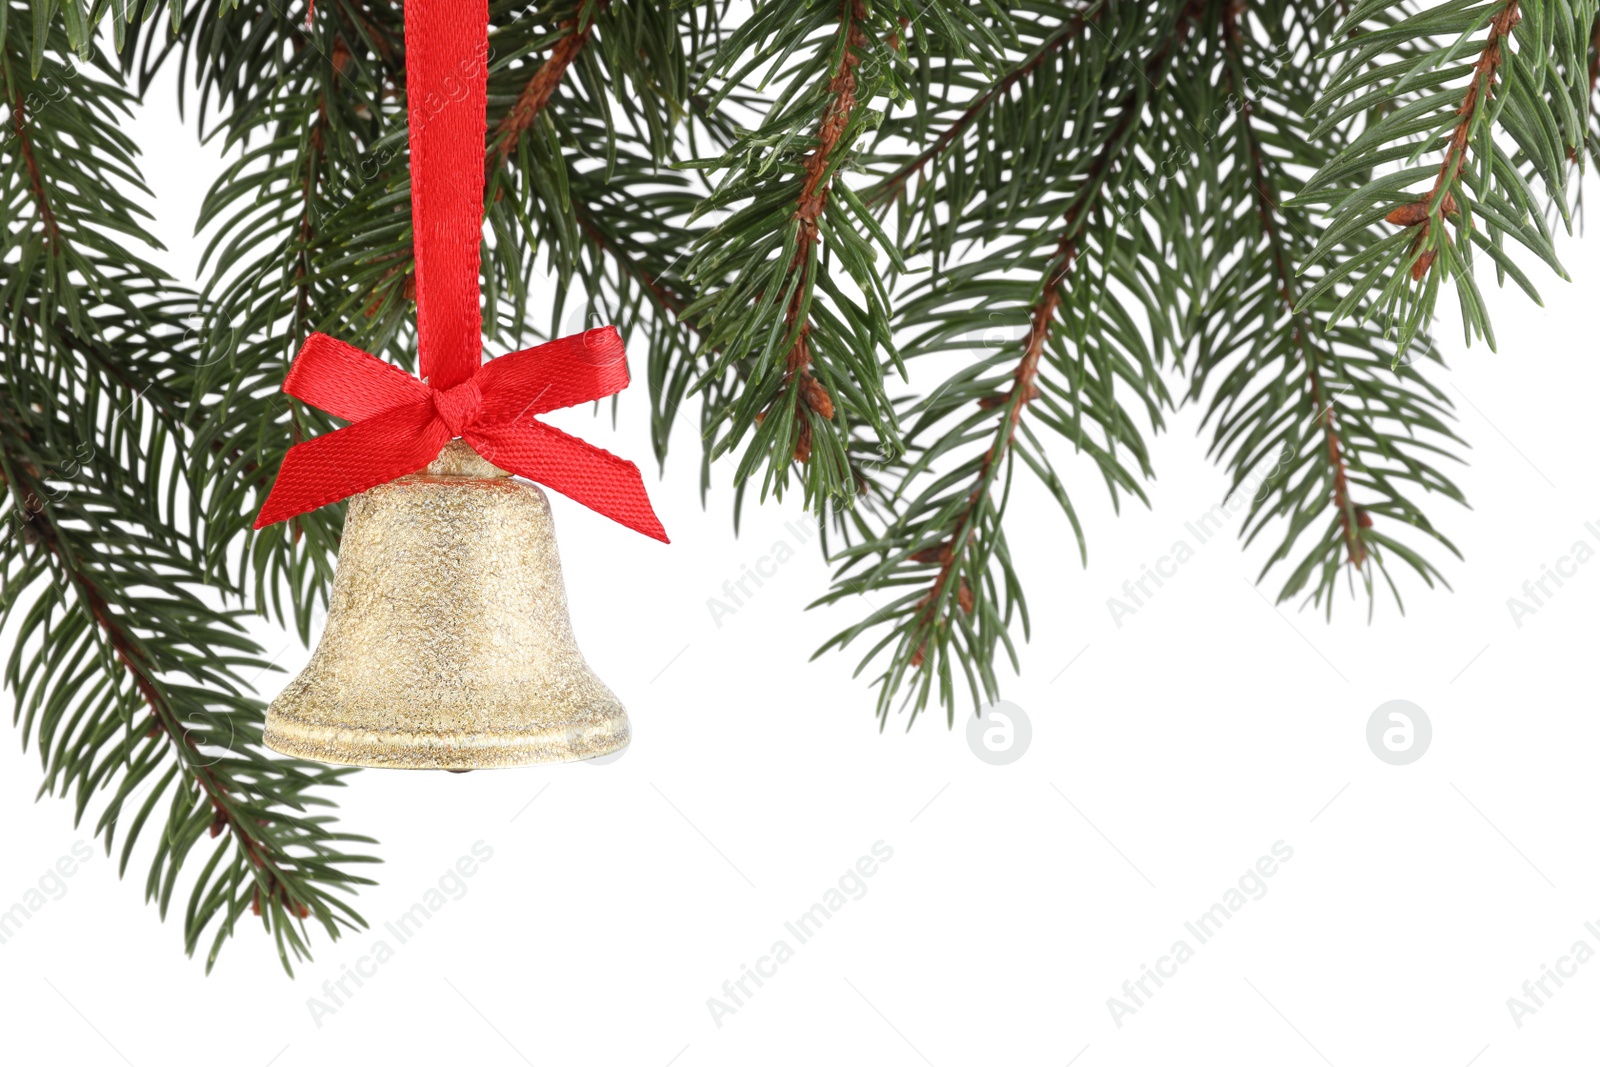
x: 572, y: 467
x: 341, y: 464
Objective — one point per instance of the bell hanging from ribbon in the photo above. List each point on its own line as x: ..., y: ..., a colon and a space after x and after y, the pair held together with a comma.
x: 448, y: 643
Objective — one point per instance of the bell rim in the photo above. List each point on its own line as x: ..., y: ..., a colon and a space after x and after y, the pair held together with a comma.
x: 412, y: 750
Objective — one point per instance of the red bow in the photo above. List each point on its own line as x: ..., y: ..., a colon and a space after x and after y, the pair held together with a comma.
x: 399, y: 423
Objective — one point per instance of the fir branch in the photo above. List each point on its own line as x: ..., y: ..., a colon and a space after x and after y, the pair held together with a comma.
x: 1323, y: 410
x: 890, y: 186
x: 794, y: 358
x: 1315, y: 422
x: 280, y: 876
x: 536, y: 94
x: 276, y: 221
x: 660, y: 291
x: 125, y: 677
x: 818, y: 169
x: 951, y: 520
x: 1421, y: 214
x: 283, y: 863
x: 41, y: 198
x: 783, y: 208
x: 935, y: 606
x: 1517, y: 119
x: 1041, y: 318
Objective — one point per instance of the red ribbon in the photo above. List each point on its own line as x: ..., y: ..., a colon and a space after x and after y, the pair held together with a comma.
x: 399, y: 423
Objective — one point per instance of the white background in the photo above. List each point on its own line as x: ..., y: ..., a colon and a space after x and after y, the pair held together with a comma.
x: 1167, y: 756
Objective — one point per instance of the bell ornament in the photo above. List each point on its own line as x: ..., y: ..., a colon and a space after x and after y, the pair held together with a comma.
x: 448, y: 644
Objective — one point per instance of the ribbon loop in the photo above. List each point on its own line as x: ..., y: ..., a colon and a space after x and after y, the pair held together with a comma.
x: 576, y: 369
x: 347, y: 382
x: 399, y: 423
x: 447, y: 70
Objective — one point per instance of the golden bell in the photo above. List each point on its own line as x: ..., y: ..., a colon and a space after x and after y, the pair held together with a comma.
x: 448, y: 643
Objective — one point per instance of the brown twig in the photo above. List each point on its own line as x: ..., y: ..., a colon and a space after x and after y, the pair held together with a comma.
x: 1351, y: 517
x: 1481, y: 89
x: 898, y: 179
x: 813, y: 201
x: 19, y: 122
x: 162, y: 718
x: 538, y: 90
x: 665, y: 297
x: 1594, y: 74
x: 1040, y: 318
x: 1023, y: 390
x: 1594, y: 59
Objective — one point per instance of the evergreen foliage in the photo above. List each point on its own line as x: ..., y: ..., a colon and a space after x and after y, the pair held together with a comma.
x: 894, y: 255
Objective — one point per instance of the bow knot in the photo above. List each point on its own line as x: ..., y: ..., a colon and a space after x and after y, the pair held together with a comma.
x: 399, y: 423
x: 458, y: 406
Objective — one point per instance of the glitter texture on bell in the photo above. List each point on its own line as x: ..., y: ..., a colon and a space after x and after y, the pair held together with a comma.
x: 448, y: 644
